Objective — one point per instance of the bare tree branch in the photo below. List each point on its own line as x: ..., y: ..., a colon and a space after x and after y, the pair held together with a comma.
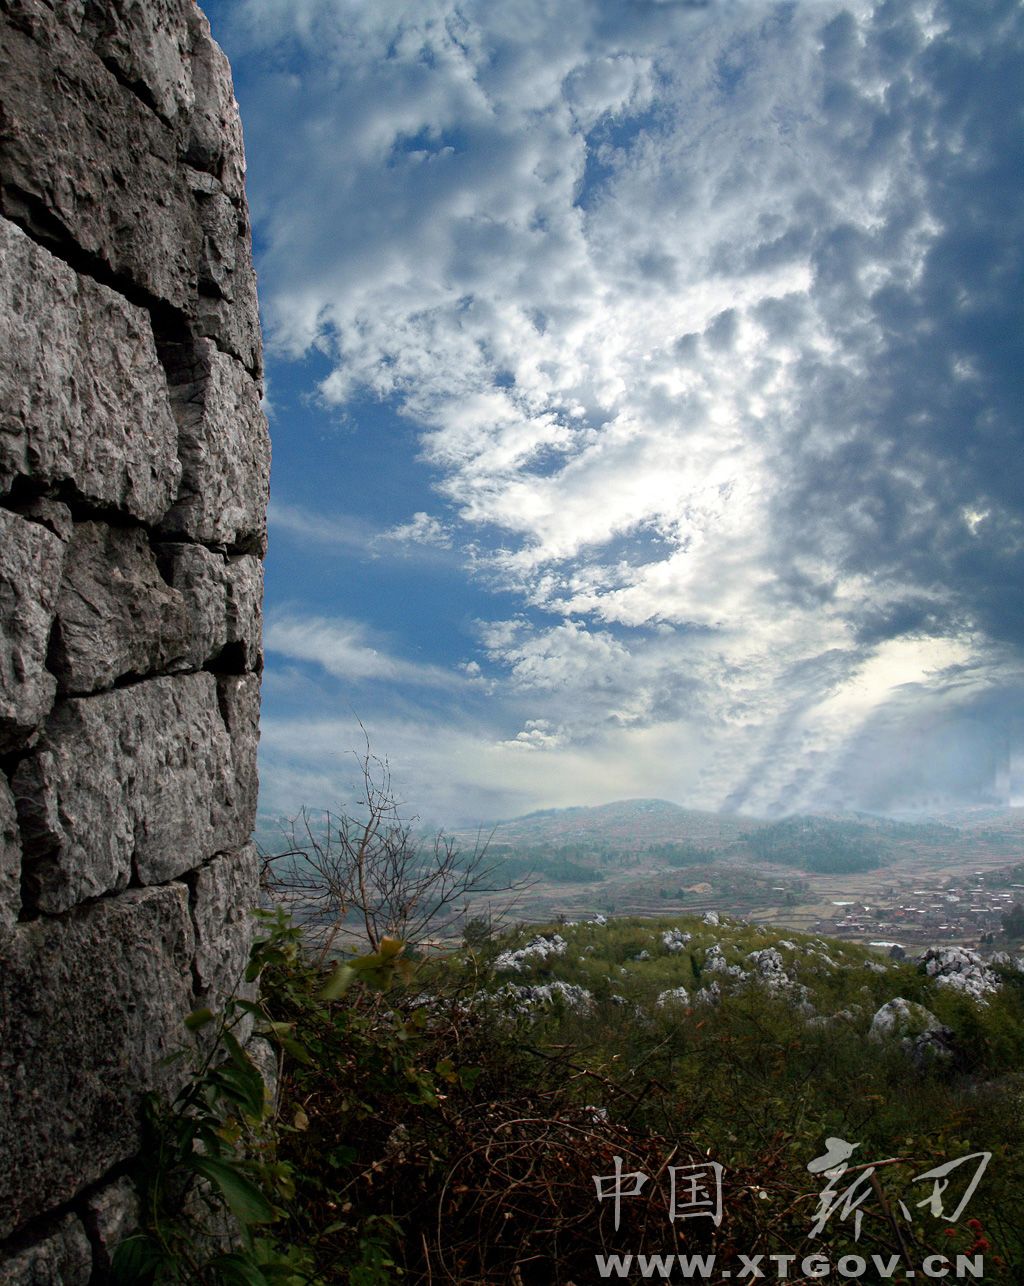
x: 369, y: 874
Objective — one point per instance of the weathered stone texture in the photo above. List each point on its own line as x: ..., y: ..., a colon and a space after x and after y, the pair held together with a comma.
x: 116, y: 615
x: 223, y: 597
x: 147, y: 44
x: 225, y: 452
x: 239, y: 697
x: 134, y: 466
x: 225, y: 893
x: 144, y: 776
x: 30, y: 568
x: 62, y: 1258
x: 10, y: 858
x: 226, y: 307
x: 112, y: 1214
x: 90, y: 1005
x: 215, y: 128
x: 83, y: 398
x: 53, y: 515
x: 83, y: 159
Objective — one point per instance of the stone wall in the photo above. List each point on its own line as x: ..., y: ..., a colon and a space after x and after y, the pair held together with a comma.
x: 133, y: 485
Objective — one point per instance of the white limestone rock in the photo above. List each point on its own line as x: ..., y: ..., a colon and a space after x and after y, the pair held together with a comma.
x: 536, y: 952
x: 97, y: 159
x: 83, y: 398
x: 961, y: 970
x: 225, y: 451
x: 922, y: 1037
x: 239, y: 698
x: 223, y: 599
x: 116, y: 615
x: 31, y: 558
x: 901, y: 1017
x: 113, y: 1216
x: 715, y: 962
x: 214, y: 129
x: 148, y: 43
x: 225, y: 893
x: 143, y: 776
x: 62, y: 1257
x: 10, y: 858
x: 672, y: 996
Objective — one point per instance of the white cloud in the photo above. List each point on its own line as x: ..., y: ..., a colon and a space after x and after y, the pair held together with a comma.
x: 421, y: 529
x: 345, y: 650
x: 656, y: 284
x: 338, y: 531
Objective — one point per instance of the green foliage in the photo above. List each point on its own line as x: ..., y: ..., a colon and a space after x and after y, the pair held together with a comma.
x: 683, y: 854
x: 432, y: 1127
x: 819, y: 844
x: 209, y: 1176
x: 1013, y: 922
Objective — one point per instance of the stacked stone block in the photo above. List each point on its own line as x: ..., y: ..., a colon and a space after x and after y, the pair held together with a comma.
x: 134, y: 466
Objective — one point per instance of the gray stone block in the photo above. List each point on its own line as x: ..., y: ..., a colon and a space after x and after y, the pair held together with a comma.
x: 225, y: 452
x: 116, y: 615
x: 147, y: 43
x: 10, y: 858
x: 83, y: 159
x: 164, y: 51
x: 224, y: 894
x: 83, y: 398
x: 239, y: 697
x: 226, y: 309
x: 51, y: 514
x: 215, y: 130
x: 112, y: 1214
x: 62, y: 1257
x: 223, y: 597
x: 90, y: 1006
x: 144, y: 778
x: 31, y: 558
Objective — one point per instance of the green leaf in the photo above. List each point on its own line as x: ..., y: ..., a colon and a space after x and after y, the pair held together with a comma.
x: 247, y: 1203
x: 338, y: 983
x: 198, y: 1018
x: 237, y: 1270
x: 241, y: 1086
x: 298, y: 1051
x: 137, y: 1261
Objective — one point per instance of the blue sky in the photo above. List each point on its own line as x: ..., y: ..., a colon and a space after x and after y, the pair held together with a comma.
x: 645, y: 388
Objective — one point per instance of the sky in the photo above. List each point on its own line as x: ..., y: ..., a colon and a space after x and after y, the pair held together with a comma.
x: 645, y: 386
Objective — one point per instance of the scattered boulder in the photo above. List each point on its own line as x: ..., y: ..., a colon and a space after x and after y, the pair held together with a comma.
x: 715, y: 962
x: 675, y: 939
x: 537, y: 951
x: 923, y: 1038
x: 673, y: 996
x: 960, y: 969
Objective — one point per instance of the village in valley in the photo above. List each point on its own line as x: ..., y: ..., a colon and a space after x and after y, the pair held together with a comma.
x: 954, y: 881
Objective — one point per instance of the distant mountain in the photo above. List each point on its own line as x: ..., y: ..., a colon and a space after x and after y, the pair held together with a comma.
x: 625, y: 825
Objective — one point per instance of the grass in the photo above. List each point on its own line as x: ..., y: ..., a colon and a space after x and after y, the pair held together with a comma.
x: 437, y: 1124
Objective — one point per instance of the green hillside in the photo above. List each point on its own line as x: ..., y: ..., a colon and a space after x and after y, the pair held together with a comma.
x: 457, y: 1117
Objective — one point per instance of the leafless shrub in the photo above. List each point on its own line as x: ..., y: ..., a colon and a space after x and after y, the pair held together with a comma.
x: 368, y: 874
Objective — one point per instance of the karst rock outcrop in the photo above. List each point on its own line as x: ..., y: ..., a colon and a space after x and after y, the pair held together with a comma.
x: 134, y: 466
